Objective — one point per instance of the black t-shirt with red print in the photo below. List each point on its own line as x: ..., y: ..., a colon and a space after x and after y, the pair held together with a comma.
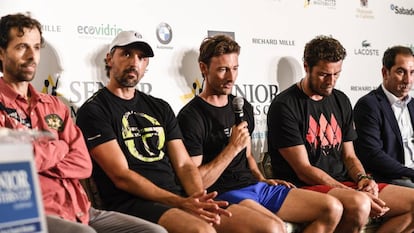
x: 322, y: 126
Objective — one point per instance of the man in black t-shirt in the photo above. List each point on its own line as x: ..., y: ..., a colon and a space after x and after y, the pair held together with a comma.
x: 310, y: 140
x: 222, y: 150
x: 139, y: 156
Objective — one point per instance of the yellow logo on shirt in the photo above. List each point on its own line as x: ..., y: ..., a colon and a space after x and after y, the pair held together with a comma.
x: 55, y: 122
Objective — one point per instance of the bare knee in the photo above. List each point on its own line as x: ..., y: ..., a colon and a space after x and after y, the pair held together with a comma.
x: 357, y: 209
x: 333, y: 210
x: 192, y: 227
x: 272, y: 226
x: 205, y: 228
x: 276, y: 225
x: 178, y: 221
x: 249, y: 216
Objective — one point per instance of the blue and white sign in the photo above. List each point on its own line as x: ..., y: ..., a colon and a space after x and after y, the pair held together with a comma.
x: 21, y: 208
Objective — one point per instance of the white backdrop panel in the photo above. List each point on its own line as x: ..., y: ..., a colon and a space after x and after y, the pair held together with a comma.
x: 272, y: 34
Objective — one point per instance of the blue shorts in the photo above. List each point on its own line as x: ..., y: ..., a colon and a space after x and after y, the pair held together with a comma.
x: 269, y: 196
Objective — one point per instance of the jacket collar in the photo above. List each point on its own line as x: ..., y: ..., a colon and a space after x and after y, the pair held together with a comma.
x: 10, y: 96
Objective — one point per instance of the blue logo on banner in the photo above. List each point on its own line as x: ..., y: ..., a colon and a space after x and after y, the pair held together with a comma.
x: 19, y: 209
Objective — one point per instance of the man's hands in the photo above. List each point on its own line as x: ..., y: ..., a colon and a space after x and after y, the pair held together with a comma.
x: 240, y: 136
x: 370, y: 187
x: 278, y: 182
x: 378, y: 206
x: 203, y: 205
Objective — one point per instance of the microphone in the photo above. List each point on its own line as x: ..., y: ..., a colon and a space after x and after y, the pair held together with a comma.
x: 238, y: 103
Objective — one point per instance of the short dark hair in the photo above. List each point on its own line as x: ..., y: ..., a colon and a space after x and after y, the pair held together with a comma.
x: 388, y: 60
x: 19, y: 21
x: 323, y: 48
x: 215, y: 46
x: 107, y: 67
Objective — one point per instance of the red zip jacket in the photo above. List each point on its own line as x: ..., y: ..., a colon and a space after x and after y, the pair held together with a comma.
x: 61, y: 162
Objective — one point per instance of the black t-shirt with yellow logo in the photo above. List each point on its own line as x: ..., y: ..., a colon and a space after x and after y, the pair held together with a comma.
x: 142, y: 126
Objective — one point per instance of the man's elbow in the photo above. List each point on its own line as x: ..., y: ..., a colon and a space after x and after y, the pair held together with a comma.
x: 120, y: 179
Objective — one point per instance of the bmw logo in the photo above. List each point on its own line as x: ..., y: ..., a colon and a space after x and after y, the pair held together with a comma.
x: 164, y: 33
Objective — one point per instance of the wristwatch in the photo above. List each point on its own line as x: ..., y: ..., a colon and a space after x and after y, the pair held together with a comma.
x: 364, y: 176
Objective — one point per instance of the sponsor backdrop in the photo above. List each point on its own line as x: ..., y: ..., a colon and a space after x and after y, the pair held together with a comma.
x: 272, y: 34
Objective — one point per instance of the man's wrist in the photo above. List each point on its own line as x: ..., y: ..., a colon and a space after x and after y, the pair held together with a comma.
x: 362, y: 176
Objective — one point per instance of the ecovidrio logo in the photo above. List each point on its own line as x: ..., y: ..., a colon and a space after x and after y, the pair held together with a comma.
x: 98, y: 30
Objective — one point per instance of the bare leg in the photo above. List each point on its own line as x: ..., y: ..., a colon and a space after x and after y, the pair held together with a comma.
x: 357, y: 207
x: 179, y: 221
x: 323, y: 212
x: 249, y: 216
x: 400, y: 217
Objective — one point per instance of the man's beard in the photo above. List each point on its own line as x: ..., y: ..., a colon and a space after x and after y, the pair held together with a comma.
x: 20, y: 75
x: 319, y: 92
x: 125, y: 81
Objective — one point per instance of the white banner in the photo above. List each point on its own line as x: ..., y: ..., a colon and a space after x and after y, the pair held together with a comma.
x: 272, y: 34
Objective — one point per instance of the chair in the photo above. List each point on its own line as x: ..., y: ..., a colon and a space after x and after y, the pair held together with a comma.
x: 92, y: 191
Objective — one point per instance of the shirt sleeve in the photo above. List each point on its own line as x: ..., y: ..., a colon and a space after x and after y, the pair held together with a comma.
x: 67, y: 156
x: 193, y: 130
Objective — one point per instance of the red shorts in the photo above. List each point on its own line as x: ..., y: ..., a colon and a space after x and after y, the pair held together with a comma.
x: 325, y: 188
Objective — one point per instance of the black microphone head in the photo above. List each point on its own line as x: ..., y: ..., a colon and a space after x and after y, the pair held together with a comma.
x: 238, y: 103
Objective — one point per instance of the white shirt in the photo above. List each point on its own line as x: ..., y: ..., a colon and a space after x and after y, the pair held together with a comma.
x: 404, y: 123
